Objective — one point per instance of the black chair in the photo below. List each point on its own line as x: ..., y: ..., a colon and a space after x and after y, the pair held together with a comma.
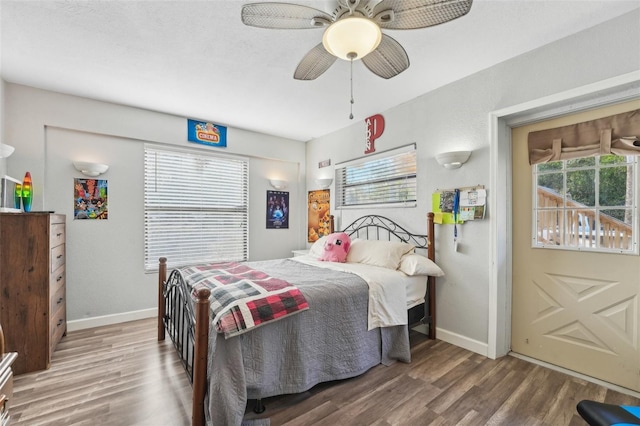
x: 601, y: 414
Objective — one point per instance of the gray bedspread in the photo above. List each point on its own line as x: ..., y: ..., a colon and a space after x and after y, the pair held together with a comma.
x: 328, y: 342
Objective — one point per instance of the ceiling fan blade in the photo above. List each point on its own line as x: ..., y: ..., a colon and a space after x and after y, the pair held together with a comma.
x: 314, y: 63
x: 283, y: 16
x: 388, y: 60
x: 411, y: 14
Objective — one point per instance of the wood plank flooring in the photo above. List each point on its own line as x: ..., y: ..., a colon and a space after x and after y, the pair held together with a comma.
x: 114, y: 375
x: 120, y: 375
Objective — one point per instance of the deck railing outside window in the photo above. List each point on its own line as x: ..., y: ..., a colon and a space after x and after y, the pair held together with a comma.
x: 575, y: 225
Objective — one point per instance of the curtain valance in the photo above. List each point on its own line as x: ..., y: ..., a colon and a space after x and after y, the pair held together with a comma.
x: 618, y: 134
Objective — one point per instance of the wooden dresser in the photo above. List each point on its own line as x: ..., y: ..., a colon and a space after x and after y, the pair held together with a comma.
x: 6, y: 382
x: 32, y: 286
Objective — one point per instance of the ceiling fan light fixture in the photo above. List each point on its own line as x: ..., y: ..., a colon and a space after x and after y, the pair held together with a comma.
x: 352, y: 35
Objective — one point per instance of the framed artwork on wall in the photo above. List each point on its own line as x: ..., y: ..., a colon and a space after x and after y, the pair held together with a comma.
x: 319, y: 223
x: 90, y: 199
x: 277, y: 210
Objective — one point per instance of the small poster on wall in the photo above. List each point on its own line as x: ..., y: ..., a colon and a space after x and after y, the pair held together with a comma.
x: 206, y: 133
x: 319, y: 222
x: 90, y: 199
x: 277, y: 210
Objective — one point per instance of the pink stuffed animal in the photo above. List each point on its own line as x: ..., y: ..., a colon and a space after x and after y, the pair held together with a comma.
x: 336, y: 247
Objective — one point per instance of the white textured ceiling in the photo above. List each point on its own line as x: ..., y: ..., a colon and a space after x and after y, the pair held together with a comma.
x: 196, y: 59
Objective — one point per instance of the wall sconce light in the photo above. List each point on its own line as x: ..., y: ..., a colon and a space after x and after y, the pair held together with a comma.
x: 324, y: 183
x: 6, y: 150
x: 90, y: 169
x: 453, y: 159
x: 278, y: 184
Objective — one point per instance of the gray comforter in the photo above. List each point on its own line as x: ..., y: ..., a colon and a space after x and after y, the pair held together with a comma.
x: 328, y: 342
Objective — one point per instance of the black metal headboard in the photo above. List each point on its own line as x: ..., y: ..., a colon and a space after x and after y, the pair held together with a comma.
x: 379, y: 227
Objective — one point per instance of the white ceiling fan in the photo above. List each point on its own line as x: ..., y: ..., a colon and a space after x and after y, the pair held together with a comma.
x: 353, y: 30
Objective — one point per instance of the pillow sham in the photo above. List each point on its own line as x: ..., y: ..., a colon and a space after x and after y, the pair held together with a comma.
x: 378, y: 253
x: 317, y: 249
x: 415, y: 264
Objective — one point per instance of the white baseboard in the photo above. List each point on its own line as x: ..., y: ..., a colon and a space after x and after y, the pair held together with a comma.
x: 85, y: 323
x: 462, y: 341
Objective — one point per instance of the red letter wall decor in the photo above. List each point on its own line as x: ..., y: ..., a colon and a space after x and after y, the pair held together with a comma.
x: 375, y: 127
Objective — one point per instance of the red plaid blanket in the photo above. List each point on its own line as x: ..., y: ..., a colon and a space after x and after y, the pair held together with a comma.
x: 243, y: 298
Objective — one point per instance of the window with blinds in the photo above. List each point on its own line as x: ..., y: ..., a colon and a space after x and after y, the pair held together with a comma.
x: 196, y: 207
x: 384, y: 179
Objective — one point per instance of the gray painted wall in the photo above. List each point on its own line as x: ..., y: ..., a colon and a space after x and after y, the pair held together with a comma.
x: 456, y: 117
x: 105, y: 271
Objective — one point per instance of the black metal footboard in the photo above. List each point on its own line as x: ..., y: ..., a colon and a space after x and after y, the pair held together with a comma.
x: 179, y: 319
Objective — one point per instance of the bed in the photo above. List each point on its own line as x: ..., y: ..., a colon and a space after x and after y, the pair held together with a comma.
x: 334, y: 336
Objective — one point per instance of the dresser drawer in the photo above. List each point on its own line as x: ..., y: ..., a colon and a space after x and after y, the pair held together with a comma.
x: 58, y: 328
x: 57, y: 234
x: 6, y: 389
x: 58, y: 301
x: 57, y: 279
x: 57, y: 218
x: 57, y: 257
x: 5, y: 418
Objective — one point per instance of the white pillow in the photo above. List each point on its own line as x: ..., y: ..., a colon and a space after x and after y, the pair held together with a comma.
x: 317, y: 249
x: 378, y: 253
x: 415, y: 264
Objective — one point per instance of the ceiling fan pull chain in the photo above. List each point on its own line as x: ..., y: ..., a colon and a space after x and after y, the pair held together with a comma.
x: 351, y: 56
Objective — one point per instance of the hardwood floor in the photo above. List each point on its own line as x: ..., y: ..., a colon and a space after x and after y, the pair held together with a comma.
x: 120, y: 375
x: 114, y: 375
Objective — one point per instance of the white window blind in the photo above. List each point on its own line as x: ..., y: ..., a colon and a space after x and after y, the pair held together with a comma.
x: 387, y: 178
x: 196, y: 207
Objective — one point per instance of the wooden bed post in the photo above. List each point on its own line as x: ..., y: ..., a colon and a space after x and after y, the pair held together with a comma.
x: 431, y: 281
x: 162, y: 277
x: 201, y: 349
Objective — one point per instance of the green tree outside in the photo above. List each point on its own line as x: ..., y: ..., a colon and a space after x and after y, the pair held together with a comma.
x: 615, y: 175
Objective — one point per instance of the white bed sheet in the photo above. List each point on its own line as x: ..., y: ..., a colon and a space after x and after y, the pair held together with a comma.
x: 391, y: 292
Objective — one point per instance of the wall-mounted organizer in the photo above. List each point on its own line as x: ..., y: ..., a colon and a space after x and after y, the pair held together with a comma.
x: 459, y: 205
